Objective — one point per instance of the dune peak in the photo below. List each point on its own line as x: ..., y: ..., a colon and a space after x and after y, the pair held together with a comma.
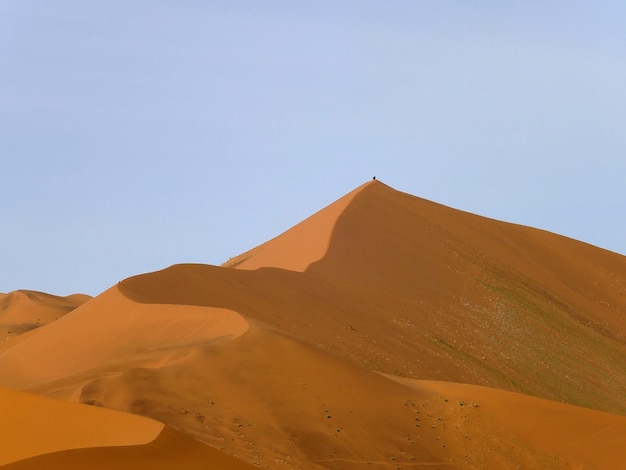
x: 301, y: 245
x: 405, y: 333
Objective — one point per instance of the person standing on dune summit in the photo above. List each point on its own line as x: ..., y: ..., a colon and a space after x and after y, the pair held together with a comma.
x: 374, y: 178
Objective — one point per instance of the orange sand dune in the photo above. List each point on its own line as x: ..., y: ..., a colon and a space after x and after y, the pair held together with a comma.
x: 380, y: 281
x: 33, y: 425
x: 23, y: 310
x: 38, y: 432
x: 110, y: 332
x: 170, y: 450
x: 272, y: 401
x: 277, y: 403
x: 580, y: 437
x: 299, y: 246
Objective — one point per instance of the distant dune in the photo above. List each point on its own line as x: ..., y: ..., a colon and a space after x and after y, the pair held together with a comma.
x: 383, y: 332
x: 24, y: 310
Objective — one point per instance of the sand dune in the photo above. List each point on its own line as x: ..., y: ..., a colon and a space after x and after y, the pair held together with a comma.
x: 110, y: 333
x: 300, y: 246
x: 24, y: 310
x: 38, y: 432
x: 33, y: 425
x: 170, y: 450
x: 280, y: 404
x: 364, y: 337
x: 413, y: 288
x: 579, y: 437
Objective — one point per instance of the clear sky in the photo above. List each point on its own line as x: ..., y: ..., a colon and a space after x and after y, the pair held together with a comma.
x: 139, y: 134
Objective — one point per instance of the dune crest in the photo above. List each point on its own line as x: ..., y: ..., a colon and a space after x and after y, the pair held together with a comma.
x: 300, y: 246
x: 38, y: 432
x: 411, y: 287
x: 33, y: 425
x: 112, y: 331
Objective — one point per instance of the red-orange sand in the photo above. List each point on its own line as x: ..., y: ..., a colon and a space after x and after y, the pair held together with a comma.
x: 384, y: 332
x: 33, y: 425
x: 23, y: 311
x: 38, y: 432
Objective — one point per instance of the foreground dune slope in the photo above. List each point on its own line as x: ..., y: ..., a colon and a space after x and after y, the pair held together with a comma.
x: 581, y: 437
x: 274, y: 402
x: 38, y: 432
x: 170, y: 450
x: 33, y: 425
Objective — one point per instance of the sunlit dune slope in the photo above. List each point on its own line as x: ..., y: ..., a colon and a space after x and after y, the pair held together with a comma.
x: 170, y: 450
x: 24, y: 310
x: 299, y: 246
x: 107, y: 334
x: 33, y: 425
x: 38, y: 432
x: 416, y: 289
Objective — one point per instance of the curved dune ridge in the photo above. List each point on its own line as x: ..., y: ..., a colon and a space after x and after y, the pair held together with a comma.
x: 170, y: 450
x: 384, y: 332
x: 37, y: 432
x: 110, y: 332
x: 33, y: 425
x: 299, y: 246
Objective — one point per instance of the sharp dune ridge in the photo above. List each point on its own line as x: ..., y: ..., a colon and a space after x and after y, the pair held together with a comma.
x: 385, y: 331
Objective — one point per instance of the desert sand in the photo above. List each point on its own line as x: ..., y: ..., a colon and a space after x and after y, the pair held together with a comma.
x: 383, y: 332
x: 38, y: 432
x: 23, y: 311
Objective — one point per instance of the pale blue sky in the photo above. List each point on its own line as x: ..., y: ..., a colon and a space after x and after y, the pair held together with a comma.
x: 135, y: 135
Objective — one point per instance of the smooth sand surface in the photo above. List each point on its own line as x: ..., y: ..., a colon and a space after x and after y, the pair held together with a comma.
x: 111, y: 332
x: 300, y: 246
x: 33, y: 425
x: 170, y: 450
x: 279, y: 361
x: 23, y: 311
x: 38, y: 432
